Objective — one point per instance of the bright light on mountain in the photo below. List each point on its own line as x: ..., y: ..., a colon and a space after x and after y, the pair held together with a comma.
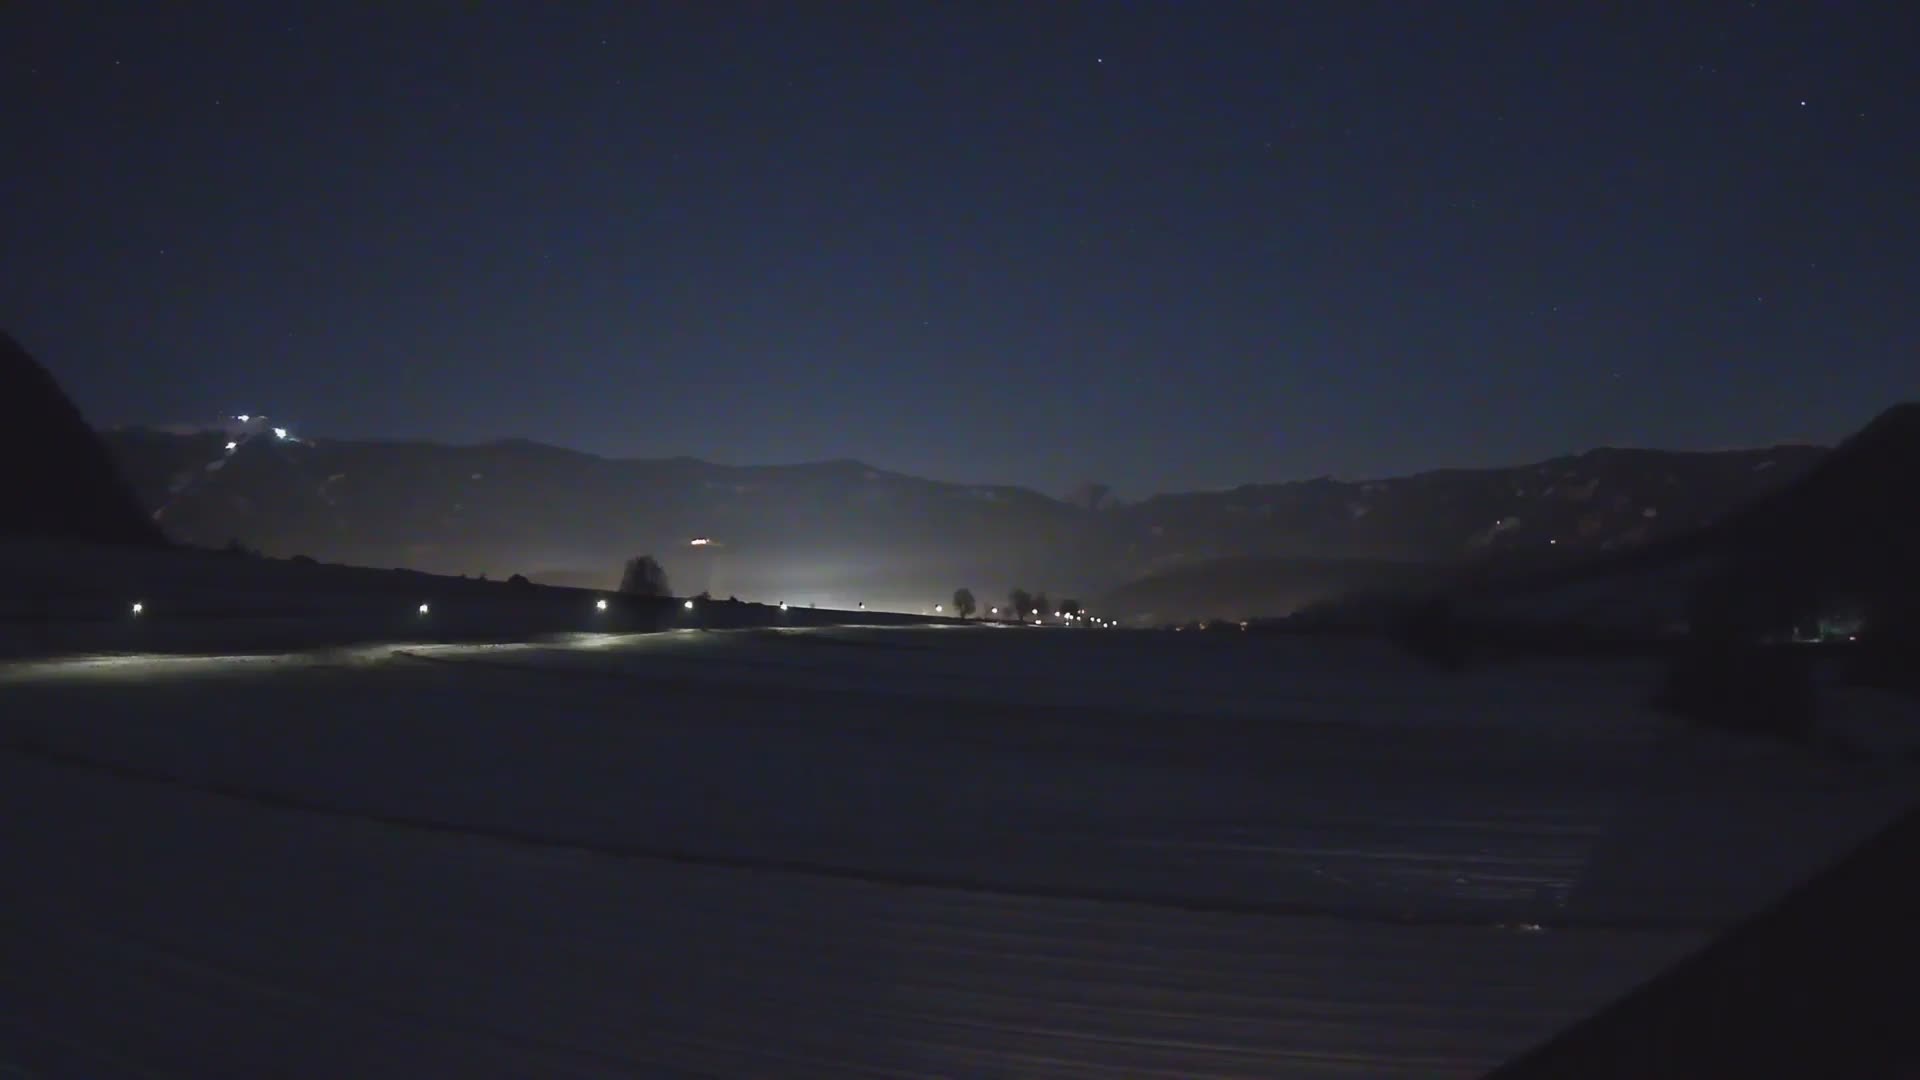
x: 279, y: 433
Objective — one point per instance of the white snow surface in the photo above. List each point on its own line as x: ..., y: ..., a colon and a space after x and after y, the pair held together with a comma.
x: 866, y: 853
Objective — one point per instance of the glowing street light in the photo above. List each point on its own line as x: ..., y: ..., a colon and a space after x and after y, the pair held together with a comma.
x: 243, y: 418
x: 280, y: 433
x: 600, y: 604
x: 137, y: 607
x: 699, y: 541
x: 993, y: 611
x: 232, y: 446
x: 688, y: 605
x: 863, y: 605
x: 938, y: 608
x: 783, y: 605
x: 424, y: 609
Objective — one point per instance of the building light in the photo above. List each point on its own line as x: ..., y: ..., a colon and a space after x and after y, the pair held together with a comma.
x: 600, y: 605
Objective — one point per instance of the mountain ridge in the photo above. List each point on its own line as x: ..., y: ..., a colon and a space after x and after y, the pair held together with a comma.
x: 843, y: 531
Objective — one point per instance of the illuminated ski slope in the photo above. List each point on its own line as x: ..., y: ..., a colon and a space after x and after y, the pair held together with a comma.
x: 862, y: 853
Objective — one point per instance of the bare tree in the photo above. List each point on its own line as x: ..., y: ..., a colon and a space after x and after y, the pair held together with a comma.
x: 644, y: 577
x: 963, y: 603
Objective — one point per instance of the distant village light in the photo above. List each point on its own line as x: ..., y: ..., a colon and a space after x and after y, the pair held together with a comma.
x: 424, y: 609
x: 138, y: 607
x: 700, y: 541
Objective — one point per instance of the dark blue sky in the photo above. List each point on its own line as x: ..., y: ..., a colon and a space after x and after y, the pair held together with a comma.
x: 1162, y: 245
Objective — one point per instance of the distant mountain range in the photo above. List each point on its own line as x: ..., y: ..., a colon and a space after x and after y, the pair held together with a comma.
x: 843, y: 532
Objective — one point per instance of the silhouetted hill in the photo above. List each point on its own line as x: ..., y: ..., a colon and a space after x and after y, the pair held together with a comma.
x: 1841, y: 543
x: 63, y: 483
x: 842, y: 531
x: 1852, y: 521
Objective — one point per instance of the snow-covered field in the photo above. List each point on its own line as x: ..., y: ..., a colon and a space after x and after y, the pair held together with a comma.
x: 866, y: 852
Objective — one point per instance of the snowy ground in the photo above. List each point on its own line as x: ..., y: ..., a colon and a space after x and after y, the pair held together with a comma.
x: 838, y: 853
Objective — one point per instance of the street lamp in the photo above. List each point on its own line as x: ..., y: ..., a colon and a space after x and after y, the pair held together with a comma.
x: 600, y: 605
x: 137, y: 607
x: 424, y: 609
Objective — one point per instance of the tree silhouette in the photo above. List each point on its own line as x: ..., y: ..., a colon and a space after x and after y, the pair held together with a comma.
x: 1040, y: 604
x: 963, y: 603
x: 1022, y: 602
x: 644, y: 577
x: 1072, y: 607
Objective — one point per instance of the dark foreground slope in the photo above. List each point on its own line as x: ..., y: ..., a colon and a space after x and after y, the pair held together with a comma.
x: 63, y: 484
x: 1817, y: 986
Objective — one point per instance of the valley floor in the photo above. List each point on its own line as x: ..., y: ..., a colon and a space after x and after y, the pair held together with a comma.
x: 864, y: 852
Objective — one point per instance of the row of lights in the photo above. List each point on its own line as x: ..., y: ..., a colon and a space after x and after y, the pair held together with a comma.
x: 139, y: 607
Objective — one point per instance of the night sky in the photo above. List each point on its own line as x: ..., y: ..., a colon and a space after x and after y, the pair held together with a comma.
x: 1160, y: 245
